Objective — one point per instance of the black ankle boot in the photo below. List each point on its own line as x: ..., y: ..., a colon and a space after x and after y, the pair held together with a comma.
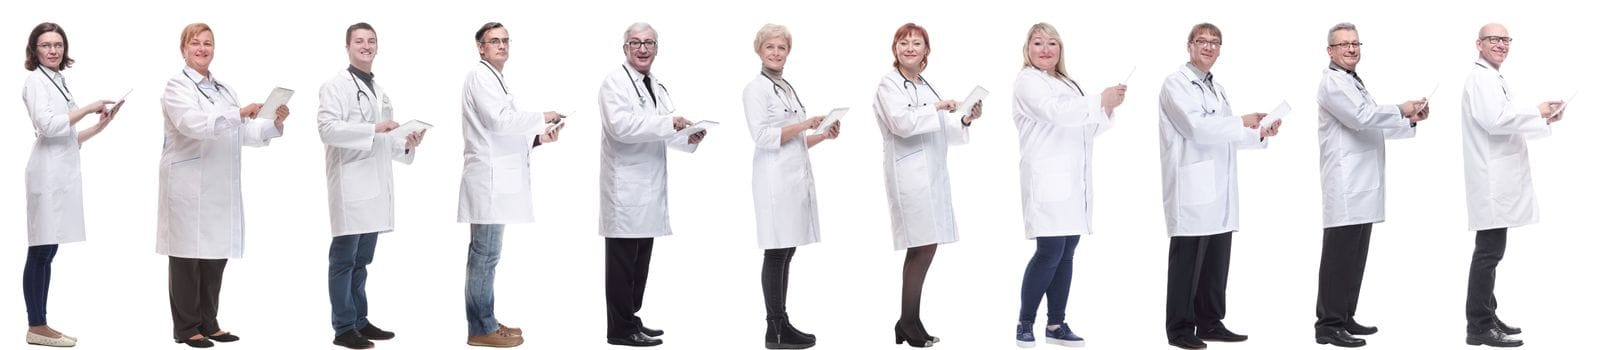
x: 780, y: 335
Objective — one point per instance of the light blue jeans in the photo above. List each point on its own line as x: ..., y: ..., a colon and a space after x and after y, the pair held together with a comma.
x: 483, y: 254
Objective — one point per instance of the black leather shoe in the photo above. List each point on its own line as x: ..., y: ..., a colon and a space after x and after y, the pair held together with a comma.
x: 1505, y: 328
x: 1187, y: 342
x: 1340, y: 338
x: 374, y: 333
x: 195, y: 343
x: 651, y: 332
x: 636, y: 339
x: 1358, y: 329
x: 352, y: 339
x: 1221, y: 334
x: 1493, y: 337
x: 225, y: 337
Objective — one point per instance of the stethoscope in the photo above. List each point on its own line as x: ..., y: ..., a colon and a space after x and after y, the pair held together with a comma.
x: 911, y: 89
x: 359, y: 94
x: 664, y: 95
x: 1204, y: 102
x: 208, y: 97
x: 61, y: 88
x: 778, y: 90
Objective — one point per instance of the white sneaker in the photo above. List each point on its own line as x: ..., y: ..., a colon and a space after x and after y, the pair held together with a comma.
x: 62, y: 342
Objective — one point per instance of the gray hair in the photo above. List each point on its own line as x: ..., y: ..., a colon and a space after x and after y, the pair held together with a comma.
x: 1339, y: 27
x: 638, y: 27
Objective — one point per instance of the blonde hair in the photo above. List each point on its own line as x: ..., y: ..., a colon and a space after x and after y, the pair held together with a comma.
x: 1049, y: 32
x: 189, y: 32
x: 770, y: 31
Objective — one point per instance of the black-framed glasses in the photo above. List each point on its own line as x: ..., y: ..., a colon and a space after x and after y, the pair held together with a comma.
x: 1497, y: 40
x: 1206, y: 43
x: 497, y: 41
x: 635, y: 44
x: 1347, y: 46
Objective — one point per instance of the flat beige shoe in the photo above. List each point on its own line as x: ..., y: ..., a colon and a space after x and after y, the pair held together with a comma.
x: 62, y: 342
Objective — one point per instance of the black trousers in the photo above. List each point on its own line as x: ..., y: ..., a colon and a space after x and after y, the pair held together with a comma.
x: 1197, y: 283
x: 1491, y: 247
x: 1344, y: 262
x: 627, y: 269
x: 193, y: 286
x: 775, y: 281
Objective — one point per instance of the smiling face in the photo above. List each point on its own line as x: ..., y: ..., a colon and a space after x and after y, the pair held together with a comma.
x: 51, y: 49
x: 1344, y: 49
x: 1494, y: 44
x: 1204, y: 49
x: 495, y: 46
x: 640, y: 49
x: 911, y: 51
x: 197, y: 51
x: 774, y: 53
x: 363, y: 48
x: 1044, y: 51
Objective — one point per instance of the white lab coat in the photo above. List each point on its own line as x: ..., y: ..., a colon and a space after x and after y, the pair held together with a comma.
x: 916, y: 174
x: 495, y: 178
x: 635, y: 134
x: 200, y: 210
x: 55, y: 184
x: 1351, y: 129
x: 780, y: 175
x: 1494, y: 134
x: 1199, y: 137
x: 1056, y: 127
x: 360, y: 175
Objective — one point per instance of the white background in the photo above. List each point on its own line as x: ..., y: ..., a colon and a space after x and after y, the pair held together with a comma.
x: 704, y: 289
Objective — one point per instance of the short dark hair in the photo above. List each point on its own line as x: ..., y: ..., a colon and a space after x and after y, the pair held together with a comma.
x: 33, y: 46
x: 486, y: 27
x: 352, y: 30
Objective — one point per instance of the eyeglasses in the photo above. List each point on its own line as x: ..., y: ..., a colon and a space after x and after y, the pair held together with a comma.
x: 497, y: 41
x: 1496, y: 40
x: 47, y: 46
x: 1347, y: 46
x: 1207, y: 43
x: 635, y: 44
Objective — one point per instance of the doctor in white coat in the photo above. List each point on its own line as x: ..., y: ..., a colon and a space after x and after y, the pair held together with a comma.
x: 1200, y: 190
x: 1351, y: 130
x: 785, y: 194
x: 495, y: 177
x: 1056, y: 126
x: 55, y: 185
x: 918, y: 127
x: 200, y: 223
x: 1494, y: 140
x: 355, y: 119
x: 638, y: 124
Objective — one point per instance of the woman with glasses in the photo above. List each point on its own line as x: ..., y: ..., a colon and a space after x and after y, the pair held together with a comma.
x: 918, y: 126
x: 785, y: 198
x: 1056, y: 126
x: 200, y: 223
x: 55, y: 184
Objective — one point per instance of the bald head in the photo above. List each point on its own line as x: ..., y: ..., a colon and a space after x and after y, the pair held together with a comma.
x: 1494, y: 43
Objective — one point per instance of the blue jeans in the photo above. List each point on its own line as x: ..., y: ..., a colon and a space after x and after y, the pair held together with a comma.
x: 1049, y: 274
x: 483, y: 254
x: 348, y: 257
x: 36, y: 281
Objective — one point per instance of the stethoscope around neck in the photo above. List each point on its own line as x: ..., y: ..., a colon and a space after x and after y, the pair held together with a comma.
x: 778, y: 90
x: 202, y: 92
x: 664, y: 95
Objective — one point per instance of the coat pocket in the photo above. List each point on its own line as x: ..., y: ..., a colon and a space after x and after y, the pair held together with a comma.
x: 1197, y: 183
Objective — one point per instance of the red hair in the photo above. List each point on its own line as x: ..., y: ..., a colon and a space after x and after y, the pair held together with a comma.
x: 906, y: 31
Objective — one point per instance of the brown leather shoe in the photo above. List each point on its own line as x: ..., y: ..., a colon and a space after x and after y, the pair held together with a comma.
x: 500, y: 338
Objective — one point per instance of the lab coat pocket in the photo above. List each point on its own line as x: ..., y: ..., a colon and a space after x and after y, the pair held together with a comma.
x: 1197, y: 183
x: 1507, y: 177
x: 911, y: 176
x: 183, y: 179
x: 1361, y: 171
x: 511, y: 174
x: 358, y: 180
